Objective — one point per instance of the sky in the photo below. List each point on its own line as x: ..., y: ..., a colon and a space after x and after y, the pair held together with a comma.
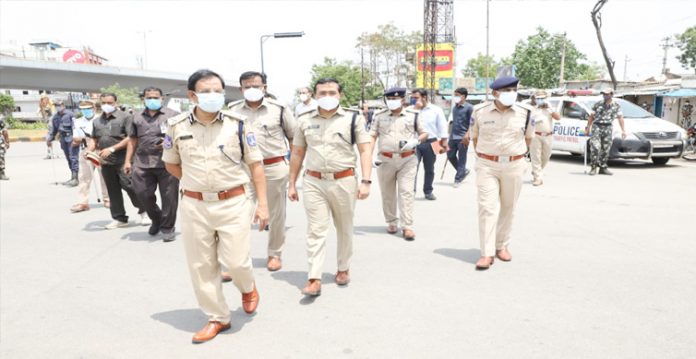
x: 223, y: 35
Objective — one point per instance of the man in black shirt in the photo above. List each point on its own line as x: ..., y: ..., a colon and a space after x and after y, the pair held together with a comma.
x: 458, y: 147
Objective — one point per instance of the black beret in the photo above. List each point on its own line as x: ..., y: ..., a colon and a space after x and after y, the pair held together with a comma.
x: 395, y: 91
x: 503, y: 82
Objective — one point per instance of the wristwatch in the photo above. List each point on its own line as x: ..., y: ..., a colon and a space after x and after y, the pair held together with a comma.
x: 366, y: 181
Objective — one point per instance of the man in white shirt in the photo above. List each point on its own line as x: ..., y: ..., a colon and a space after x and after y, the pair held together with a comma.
x: 307, y: 102
x: 435, y: 124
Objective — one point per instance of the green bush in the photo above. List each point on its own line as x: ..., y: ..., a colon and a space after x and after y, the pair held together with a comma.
x: 14, y: 123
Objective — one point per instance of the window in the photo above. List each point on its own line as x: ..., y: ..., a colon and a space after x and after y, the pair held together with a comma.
x: 573, y: 110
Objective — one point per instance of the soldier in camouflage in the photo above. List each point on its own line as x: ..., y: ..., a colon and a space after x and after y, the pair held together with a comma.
x: 4, y: 145
x: 600, y: 123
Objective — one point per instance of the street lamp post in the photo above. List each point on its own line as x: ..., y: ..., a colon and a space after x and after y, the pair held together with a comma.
x: 277, y: 35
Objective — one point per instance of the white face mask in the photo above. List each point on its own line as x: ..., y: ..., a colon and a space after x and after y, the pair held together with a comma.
x: 328, y: 103
x: 457, y: 99
x: 540, y: 101
x: 394, y: 104
x: 211, y: 101
x: 108, y: 108
x: 304, y: 97
x: 253, y: 94
x: 507, y: 98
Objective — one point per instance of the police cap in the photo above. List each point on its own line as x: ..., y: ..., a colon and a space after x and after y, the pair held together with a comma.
x: 86, y: 104
x: 395, y: 91
x: 504, y: 81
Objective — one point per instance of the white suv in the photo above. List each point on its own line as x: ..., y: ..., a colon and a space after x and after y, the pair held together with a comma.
x: 646, y: 135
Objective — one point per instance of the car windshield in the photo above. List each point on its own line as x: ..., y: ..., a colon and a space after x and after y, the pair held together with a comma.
x: 629, y: 109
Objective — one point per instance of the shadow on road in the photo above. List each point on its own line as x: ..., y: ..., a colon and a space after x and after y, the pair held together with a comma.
x: 192, y: 320
x: 299, y: 279
x: 95, y: 226
x: 626, y: 164
x: 141, y: 236
x: 464, y: 255
x: 259, y: 262
x: 361, y: 230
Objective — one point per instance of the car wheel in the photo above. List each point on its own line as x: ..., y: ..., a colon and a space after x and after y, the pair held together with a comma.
x: 660, y: 160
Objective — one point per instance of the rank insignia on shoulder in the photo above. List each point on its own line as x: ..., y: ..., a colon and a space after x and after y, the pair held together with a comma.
x: 251, y: 139
x: 167, y: 143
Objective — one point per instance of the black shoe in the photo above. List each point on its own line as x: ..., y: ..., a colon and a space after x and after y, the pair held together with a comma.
x: 430, y: 197
x: 154, y: 229
x: 605, y: 171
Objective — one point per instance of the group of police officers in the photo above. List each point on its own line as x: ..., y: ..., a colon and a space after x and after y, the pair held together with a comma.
x: 226, y: 166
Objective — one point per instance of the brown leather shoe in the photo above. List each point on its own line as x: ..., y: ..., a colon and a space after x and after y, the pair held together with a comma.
x: 409, y: 235
x: 313, y: 288
x: 484, y: 263
x: 209, y: 332
x: 274, y: 263
x: 226, y: 277
x: 250, y: 300
x: 80, y: 207
x: 504, y: 255
x: 391, y: 229
x: 342, y: 278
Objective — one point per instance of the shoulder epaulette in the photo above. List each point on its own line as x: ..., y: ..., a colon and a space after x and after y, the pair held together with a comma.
x: 235, y: 103
x: 482, y: 105
x: 524, y: 106
x: 351, y: 109
x: 308, y: 112
x: 275, y: 102
x: 178, y: 118
x: 233, y: 114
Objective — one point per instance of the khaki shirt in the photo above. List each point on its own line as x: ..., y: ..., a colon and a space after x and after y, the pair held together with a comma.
x: 210, y: 155
x: 543, y: 121
x: 390, y: 129
x: 265, y: 122
x: 327, y: 140
x: 501, y: 133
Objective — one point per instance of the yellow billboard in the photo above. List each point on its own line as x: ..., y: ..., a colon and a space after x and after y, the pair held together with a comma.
x: 444, y: 67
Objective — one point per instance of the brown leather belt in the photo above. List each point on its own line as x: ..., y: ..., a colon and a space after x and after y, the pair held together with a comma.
x: 499, y: 158
x: 272, y: 160
x: 345, y: 173
x: 402, y: 154
x: 215, y: 196
x: 543, y: 133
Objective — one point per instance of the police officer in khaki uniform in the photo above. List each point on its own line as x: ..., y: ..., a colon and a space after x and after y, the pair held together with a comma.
x: 501, y: 132
x: 540, y: 149
x: 327, y: 136
x: 398, y: 132
x: 272, y: 123
x: 206, y: 148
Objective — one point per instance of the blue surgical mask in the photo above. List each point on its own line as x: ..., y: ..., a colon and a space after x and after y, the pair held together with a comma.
x: 211, y: 102
x: 413, y: 101
x: 153, y: 103
x: 87, y: 112
x: 540, y: 101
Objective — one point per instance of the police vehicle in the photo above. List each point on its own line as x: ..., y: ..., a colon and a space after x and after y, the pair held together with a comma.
x: 647, y: 137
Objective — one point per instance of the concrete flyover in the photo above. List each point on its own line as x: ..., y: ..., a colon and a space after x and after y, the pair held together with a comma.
x: 16, y: 73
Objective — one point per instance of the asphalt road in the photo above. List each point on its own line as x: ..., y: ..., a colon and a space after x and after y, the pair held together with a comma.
x: 604, y: 267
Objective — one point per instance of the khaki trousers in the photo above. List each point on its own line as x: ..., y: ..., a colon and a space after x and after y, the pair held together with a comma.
x: 217, y: 233
x: 499, y: 186
x: 540, y: 152
x: 396, y: 179
x: 324, y: 200
x: 277, y: 193
x: 84, y: 177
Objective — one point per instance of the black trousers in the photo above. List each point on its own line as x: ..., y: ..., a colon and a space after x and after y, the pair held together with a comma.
x: 145, y: 182
x: 116, y: 180
x: 457, y: 157
x: 425, y: 153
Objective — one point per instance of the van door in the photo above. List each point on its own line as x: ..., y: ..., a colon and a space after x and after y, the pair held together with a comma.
x: 568, y: 133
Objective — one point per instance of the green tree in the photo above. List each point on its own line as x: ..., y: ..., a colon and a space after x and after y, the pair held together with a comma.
x: 538, y: 60
x: 590, y: 71
x: 126, y: 96
x: 7, y: 104
x: 388, y: 52
x: 476, y: 66
x: 348, y: 74
x: 686, y: 42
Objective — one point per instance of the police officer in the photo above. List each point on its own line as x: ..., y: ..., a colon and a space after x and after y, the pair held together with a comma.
x: 398, y: 132
x: 83, y: 128
x: 206, y: 148
x: 110, y: 136
x: 146, y: 137
x: 501, y: 133
x: 458, y: 148
x: 62, y: 123
x: 540, y: 148
x: 600, y: 123
x: 327, y: 137
x: 4, y: 146
x: 274, y: 127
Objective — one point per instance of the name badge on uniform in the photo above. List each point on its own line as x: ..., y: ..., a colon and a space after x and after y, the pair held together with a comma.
x: 167, y: 142
x: 251, y: 139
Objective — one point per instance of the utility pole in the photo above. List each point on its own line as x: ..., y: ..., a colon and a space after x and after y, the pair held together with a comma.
x: 563, y: 51
x: 143, y: 63
x: 362, y: 76
x: 488, y: 62
x: 626, y: 60
x: 665, y: 46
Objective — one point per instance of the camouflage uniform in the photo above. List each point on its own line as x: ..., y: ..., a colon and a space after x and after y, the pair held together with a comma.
x: 2, y: 149
x: 600, y: 142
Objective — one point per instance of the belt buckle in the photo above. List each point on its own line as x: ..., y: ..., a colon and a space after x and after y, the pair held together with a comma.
x: 327, y: 176
x: 210, y: 196
x: 503, y: 159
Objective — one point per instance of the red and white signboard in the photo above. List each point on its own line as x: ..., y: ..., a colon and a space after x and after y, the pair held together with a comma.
x: 74, y: 57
